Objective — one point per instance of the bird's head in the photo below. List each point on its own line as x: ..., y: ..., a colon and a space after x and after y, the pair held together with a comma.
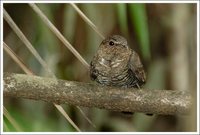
x: 115, y: 41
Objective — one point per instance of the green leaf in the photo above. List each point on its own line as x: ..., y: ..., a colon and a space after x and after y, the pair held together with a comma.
x: 139, y: 21
x: 122, y: 17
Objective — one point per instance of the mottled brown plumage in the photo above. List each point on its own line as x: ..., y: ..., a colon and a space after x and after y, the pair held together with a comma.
x: 115, y: 64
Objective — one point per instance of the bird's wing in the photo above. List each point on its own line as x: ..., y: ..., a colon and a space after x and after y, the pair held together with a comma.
x: 93, y: 72
x: 136, y: 66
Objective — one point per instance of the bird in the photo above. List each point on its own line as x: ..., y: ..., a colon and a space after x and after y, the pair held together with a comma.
x: 116, y: 64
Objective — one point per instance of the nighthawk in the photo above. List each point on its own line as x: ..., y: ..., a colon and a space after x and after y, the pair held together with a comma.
x: 115, y: 64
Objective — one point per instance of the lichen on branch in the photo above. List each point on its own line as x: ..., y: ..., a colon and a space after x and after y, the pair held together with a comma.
x: 166, y: 102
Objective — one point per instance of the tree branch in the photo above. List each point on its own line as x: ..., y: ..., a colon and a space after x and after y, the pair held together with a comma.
x: 167, y: 102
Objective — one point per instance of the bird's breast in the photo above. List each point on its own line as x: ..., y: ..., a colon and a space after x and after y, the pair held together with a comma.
x: 111, y: 67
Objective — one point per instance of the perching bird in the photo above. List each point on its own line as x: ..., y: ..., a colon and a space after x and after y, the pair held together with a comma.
x: 115, y: 64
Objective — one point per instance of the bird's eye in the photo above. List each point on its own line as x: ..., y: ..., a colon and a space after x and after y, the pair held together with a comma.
x: 111, y: 43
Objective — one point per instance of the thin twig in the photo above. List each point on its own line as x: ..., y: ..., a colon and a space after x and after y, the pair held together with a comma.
x: 29, y: 72
x: 166, y: 102
x: 19, y: 33
x: 12, y: 121
x: 85, y: 18
x: 34, y: 52
x: 17, y: 59
x: 58, y: 34
x: 86, y: 117
x: 60, y: 108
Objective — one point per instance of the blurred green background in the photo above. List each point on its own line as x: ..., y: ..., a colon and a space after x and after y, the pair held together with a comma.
x: 164, y: 35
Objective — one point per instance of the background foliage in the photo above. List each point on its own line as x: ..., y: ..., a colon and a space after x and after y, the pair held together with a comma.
x: 164, y: 35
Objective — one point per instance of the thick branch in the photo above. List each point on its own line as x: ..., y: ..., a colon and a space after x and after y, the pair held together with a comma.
x: 90, y: 95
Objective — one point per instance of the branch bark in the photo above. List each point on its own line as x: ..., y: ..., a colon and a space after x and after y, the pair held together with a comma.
x: 166, y: 102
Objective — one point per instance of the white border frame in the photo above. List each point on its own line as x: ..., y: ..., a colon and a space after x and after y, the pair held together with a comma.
x: 104, y: 1
x: 1, y: 66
